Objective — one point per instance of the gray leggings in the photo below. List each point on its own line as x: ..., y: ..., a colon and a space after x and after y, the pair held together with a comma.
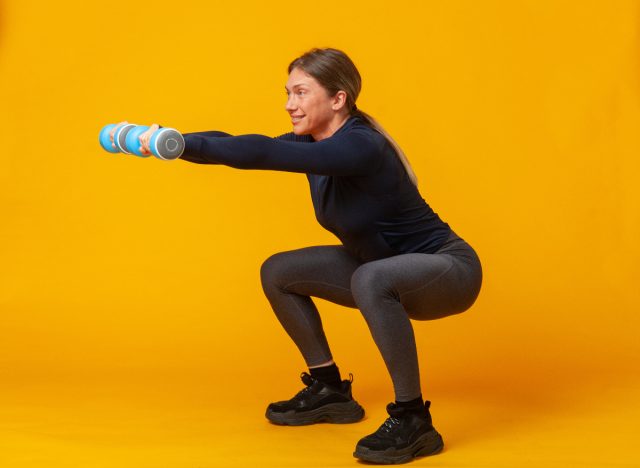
x: 389, y: 292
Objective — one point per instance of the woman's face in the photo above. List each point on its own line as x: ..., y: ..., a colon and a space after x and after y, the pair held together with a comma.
x: 308, y: 104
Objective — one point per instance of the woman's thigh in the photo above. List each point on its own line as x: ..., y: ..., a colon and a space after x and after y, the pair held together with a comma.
x: 322, y: 271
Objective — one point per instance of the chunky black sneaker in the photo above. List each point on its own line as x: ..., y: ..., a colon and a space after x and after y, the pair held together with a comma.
x: 317, y: 402
x: 402, y: 437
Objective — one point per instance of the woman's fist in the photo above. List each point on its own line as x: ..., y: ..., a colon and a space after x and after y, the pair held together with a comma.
x: 146, y: 137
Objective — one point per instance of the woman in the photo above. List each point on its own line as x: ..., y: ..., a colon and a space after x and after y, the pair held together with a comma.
x: 397, y: 259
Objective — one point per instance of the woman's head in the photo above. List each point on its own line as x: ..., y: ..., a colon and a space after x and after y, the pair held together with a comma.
x: 322, y: 89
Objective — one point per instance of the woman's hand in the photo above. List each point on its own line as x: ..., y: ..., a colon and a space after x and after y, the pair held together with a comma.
x: 146, y: 137
x: 113, y: 131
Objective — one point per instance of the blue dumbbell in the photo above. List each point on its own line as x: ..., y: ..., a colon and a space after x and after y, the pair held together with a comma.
x: 165, y: 143
x: 119, y: 138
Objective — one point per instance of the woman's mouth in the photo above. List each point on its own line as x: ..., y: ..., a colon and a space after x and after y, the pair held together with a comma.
x: 296, y: 118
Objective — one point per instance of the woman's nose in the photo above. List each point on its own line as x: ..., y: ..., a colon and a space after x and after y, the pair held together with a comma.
x: 289, y: 106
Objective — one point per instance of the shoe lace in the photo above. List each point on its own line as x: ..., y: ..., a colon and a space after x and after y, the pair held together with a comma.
x: 308, y: 381
x: 390, y: 424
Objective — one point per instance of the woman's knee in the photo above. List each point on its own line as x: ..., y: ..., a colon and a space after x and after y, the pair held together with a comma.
x: 369, y: 280
x: 273, y: 269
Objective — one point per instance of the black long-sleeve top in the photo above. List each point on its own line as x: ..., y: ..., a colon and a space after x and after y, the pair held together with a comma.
x: 359, y: 188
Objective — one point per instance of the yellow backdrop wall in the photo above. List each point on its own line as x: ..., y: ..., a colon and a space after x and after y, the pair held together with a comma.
x: 519, y: 118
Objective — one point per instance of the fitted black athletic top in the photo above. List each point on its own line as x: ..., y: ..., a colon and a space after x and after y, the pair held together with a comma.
x: 359, y: 188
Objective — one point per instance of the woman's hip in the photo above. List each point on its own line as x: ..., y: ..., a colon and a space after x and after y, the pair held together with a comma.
x: 455, y: 288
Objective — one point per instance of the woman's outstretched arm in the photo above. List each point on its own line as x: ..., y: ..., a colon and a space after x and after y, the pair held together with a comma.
x: 350, y: 153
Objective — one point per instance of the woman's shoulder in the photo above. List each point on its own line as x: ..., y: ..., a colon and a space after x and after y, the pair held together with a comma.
x: 362, y: 127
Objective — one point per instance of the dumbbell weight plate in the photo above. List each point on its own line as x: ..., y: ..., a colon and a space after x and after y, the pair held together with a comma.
x: 120, y: 137
x: 105, y: 141
x: 167, y: 144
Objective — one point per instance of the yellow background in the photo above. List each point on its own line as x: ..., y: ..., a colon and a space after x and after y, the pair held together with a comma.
x: 134, y: 331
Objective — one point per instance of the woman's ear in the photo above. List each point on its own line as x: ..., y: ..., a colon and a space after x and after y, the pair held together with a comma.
x: 339, y: 100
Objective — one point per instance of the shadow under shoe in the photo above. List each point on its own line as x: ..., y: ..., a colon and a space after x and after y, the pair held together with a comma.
x: 317, y: 402
x: 403, y: 436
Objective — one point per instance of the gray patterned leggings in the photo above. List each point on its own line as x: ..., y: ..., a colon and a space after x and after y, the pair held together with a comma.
x: 389, y: 292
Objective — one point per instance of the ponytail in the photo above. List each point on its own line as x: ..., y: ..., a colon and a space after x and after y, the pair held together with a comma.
x: 403, y: 157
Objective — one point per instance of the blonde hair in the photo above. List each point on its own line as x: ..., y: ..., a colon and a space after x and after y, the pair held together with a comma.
x: 335, y: 71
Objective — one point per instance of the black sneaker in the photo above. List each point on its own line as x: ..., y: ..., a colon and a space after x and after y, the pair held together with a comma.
x: 317, y: 402
x: 402, y: 437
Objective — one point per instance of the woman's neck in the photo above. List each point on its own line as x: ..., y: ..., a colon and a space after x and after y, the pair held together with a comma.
x: 332, y: 127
